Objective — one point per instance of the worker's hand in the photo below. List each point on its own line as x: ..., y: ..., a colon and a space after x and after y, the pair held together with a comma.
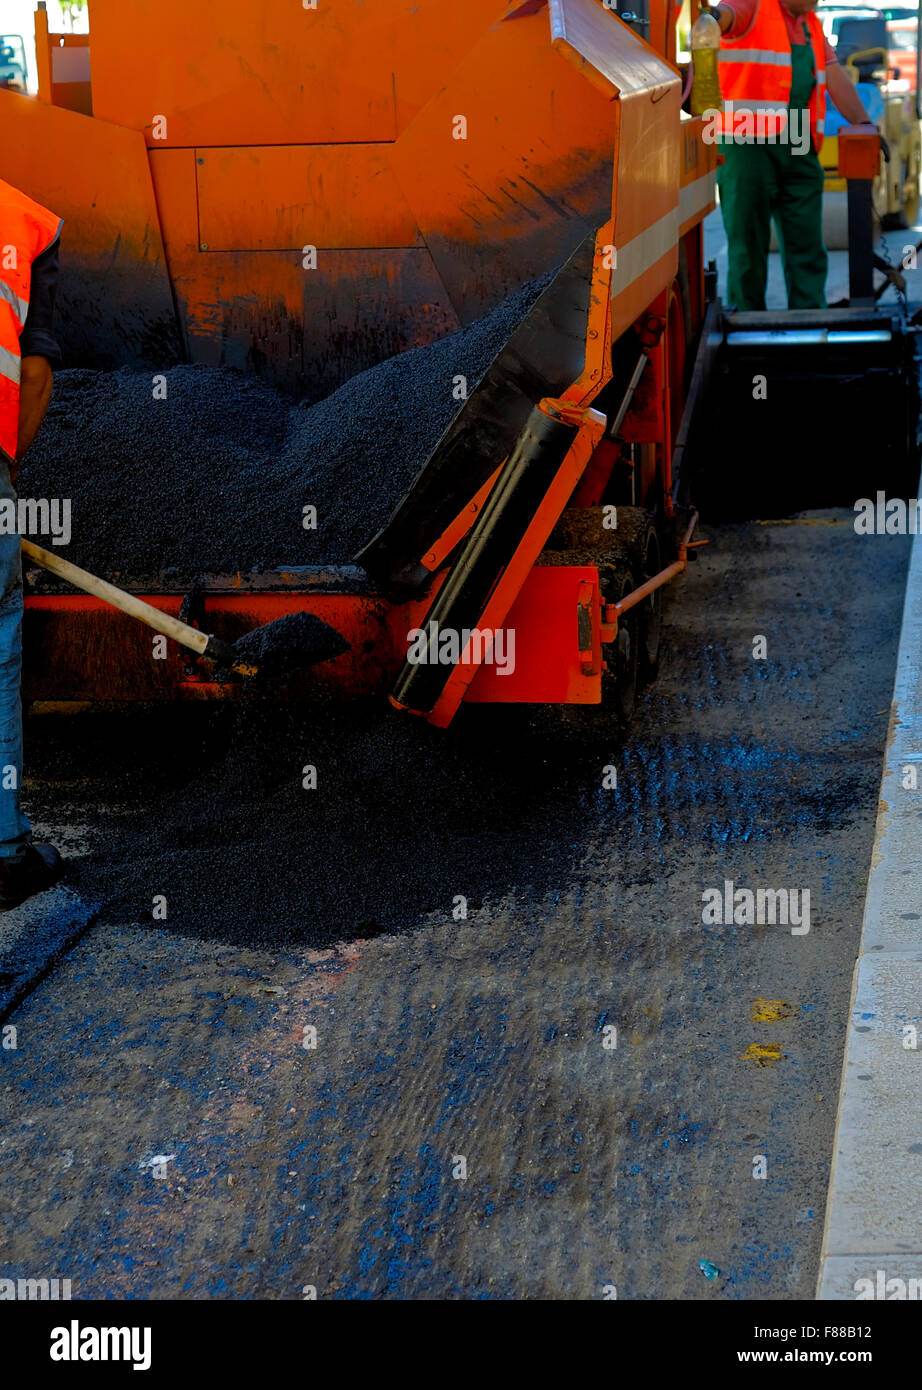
x: 723, y: 14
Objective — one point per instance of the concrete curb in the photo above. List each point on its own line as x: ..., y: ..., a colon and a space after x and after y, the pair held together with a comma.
x: 874, y: 1206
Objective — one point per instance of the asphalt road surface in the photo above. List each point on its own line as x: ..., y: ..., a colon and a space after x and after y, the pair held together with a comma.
x: 436, y: 1105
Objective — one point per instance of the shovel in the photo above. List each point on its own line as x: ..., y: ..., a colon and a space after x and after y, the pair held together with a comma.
x: 311, y: 640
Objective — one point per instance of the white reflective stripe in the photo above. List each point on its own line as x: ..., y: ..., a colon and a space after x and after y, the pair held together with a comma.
x: 10, y: 364
x: 755, y: 55
x: 20, y: 305
x: 643, y: 251
x: 696, y: 196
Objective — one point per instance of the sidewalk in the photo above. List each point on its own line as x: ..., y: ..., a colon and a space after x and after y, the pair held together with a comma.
x: 715, y: 248
x: 874, y: 1212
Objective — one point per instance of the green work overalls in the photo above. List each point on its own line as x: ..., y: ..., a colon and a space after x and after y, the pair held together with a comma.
x: 759, y: 183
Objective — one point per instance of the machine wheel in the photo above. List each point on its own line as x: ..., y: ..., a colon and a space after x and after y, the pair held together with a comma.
x: 880, y: 198
x: 650, y: 612
x: 637, y: 552
x: 620, y: 679
x: 909, y: 214
x: 625, y: 558
x: 906, y: 213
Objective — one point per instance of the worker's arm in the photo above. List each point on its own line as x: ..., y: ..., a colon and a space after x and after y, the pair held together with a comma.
x: 34, y: 395
x: 843, y: 92
x: 39, y: 349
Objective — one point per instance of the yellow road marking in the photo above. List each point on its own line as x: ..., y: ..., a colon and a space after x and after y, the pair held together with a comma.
x: 762, y: 1055
x: 770, y: 1010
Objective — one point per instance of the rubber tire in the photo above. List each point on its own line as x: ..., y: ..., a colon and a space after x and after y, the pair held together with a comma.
x: 620, y: 681
x: 650, y: 612
x: 907, y: 215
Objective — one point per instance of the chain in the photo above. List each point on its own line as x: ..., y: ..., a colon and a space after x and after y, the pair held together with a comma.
x: 882, y: 250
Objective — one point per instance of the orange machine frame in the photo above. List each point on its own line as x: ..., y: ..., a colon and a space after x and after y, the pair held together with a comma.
x: 662, y: 188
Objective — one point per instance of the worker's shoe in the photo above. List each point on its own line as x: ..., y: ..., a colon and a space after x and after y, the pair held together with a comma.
x: 37, y: 868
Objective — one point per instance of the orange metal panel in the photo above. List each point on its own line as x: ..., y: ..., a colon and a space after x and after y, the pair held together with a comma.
x: 268, y: 74
x: 244, y: 74
x: 698, y: 157
x: 548, y: 668
x: 611, y: 55
x: 531, y: 176
x: 42, y: 55
x: 173, y: 177
x: 512, y: 199
x: 859, y: 152
x: 514, y: 576
x: 78, y: 648
x: 276, y: 197
x: 308, y: 329
x: 646, y: 205
x: 114, y: 298
x: 647, y: 188
x: 631, y: 302
x: 698, y: 194
x: 429, y: 40
x: 527, y: 177
x: 597, y: 364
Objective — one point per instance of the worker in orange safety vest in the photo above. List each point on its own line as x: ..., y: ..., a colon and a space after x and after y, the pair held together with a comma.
x: 776, y: 67
x: 28, y: 276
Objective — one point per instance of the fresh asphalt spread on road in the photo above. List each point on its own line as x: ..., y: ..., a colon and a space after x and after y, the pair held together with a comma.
x: 317, y: 1071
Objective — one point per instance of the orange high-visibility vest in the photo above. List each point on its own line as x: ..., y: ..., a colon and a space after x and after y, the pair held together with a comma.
x: 755, y: 76
x: 26, y: 230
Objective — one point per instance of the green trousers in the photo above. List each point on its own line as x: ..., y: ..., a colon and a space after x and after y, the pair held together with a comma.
x: 762, y: 183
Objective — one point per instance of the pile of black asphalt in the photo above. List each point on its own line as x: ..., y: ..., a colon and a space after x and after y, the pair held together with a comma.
x: 208, y: 470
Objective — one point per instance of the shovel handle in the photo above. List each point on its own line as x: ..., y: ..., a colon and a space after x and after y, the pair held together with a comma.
x: 180, y: 632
